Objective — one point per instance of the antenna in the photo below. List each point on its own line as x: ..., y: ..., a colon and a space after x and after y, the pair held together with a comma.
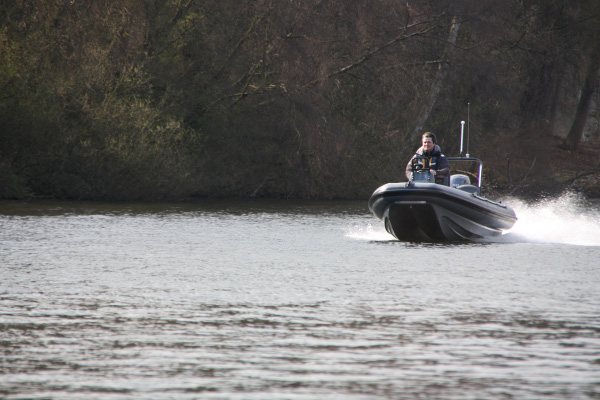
x: 462, y: 132
x: 468, y: 125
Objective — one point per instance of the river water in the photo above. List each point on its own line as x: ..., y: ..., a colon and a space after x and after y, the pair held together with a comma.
x: 293, y: 300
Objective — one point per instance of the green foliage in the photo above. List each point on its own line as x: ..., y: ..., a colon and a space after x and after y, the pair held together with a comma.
x: 170, y: 100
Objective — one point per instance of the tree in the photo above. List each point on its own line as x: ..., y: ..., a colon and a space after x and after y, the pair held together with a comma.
x: 439, y: 79
x: 588, y: 87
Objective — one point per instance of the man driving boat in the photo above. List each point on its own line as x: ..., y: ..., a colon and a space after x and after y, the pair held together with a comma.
x: 430, y: 156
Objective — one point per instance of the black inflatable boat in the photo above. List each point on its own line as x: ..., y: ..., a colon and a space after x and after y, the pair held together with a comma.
x: 421, y: 210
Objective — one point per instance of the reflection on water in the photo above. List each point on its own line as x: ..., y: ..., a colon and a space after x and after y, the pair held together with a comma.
x: 286, y: 300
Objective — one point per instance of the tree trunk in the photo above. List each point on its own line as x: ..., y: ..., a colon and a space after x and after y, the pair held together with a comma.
x: 437, y: 83
x: 591, y: 77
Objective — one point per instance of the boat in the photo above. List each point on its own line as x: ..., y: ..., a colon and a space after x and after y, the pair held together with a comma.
x: 421, y: 210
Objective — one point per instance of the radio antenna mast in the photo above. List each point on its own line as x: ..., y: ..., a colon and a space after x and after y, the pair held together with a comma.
x: 462, y: 134
x: 468, y: 125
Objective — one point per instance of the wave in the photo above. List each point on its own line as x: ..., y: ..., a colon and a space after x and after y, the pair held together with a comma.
x: 372, y: 231
x: 569, y: 219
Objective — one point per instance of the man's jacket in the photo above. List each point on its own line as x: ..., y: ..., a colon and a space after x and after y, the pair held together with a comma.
x: 434, y: 160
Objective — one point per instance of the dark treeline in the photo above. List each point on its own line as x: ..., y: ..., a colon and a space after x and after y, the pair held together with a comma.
x: 155, y: 99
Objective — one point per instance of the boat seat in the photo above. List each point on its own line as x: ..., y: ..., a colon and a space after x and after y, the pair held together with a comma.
x: 469, y: 188
x: 457, y: 180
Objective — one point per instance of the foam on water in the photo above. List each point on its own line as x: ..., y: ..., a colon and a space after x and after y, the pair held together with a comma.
x: 372, y: 231
x: 568, y: 219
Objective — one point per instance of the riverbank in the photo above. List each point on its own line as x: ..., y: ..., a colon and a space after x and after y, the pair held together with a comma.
x: 534, y: 168
x: 527, y: 168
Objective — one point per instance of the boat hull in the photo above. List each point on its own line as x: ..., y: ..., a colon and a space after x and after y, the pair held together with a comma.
x: 431, y: 212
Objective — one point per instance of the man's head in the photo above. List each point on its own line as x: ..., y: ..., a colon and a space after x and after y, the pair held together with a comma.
x: 428, y: 140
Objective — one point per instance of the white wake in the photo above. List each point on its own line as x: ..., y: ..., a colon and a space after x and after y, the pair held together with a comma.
x: 569, y: 219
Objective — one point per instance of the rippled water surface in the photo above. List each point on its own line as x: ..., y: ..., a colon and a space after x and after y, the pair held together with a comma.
x: 293, y: 300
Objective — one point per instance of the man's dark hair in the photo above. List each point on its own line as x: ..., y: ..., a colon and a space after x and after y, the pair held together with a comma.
x: 430, y: 135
